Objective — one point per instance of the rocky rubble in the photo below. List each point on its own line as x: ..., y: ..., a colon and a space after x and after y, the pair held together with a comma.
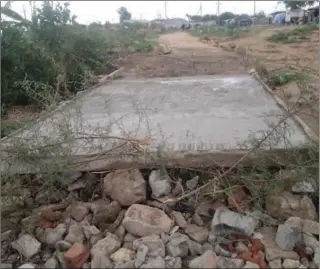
x: 123, y: 228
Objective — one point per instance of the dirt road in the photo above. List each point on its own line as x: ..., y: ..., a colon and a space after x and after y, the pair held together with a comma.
x: 188, y: 57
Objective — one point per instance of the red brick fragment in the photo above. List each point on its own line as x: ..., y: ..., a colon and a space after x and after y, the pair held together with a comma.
x: 76, y: 256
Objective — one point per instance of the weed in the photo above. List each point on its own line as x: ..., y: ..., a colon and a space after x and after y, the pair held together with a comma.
x: 282, y: 78
x: 295, y: 35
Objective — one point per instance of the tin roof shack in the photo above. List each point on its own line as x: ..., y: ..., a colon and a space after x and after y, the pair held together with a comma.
x: 175, y: 23
x: 313, y: 14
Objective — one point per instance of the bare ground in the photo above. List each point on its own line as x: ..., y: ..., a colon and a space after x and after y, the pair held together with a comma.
x: 301, y: 57
x: 189, y: 56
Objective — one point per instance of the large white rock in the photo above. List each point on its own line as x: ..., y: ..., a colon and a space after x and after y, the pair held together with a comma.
x: 27, y: 245
x: 143, y: 220
x: 125, y: 186
x: 206, y: 260
x: 160, y: 183
x: 226, y: 218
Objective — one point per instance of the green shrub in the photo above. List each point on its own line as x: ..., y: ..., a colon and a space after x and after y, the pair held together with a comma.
x: 34, y: 53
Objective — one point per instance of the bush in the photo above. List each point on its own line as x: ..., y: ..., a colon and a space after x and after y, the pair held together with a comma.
x: 282, y: 78
x: 36, y: 53
x: 295, y: 35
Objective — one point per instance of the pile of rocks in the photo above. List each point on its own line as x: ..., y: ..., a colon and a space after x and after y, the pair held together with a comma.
x: 123, y: 228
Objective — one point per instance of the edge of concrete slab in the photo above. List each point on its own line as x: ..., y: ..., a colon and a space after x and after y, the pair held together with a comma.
x: 172, y: 159
x: 152, y: 160
x: 303, y: 126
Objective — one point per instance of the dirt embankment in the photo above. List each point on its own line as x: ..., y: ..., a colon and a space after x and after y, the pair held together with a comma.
x: 300, y: 58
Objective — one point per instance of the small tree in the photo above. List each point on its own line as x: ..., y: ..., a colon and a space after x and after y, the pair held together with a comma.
x: 297, y: 4
x: 124, y: 14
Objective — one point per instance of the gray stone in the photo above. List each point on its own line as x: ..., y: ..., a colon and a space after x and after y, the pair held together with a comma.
x: 63, y: 246
x: 309, y: 251
x: 290, y: 264
x: 100, y: 260
x: 75, y: 234
x: 287, y: 237
x: 125, y: 186
x: 197, y: 233
x: 284, y: 205
x: 120, y: 232
x: 272, y: 250
x: 305, y: 262
x: 310, y: 241
x: 303, y: 187
x: 212, y: 238
x: 225, y: 218
x: 160, y: 183
x: 223, y: 262
x: 107, y: 245
x: 178, y: 245
x: 27, y: 266
x: 51, y: 263
x: 206, y: 260
x: 144, y: 220
x: 179, y: 219
x: 192, y: 183
x: 154, y: 244
x: 173, y: 262
x: 7, y: 235
x: 141, y: 255
x: 164, y: 237
x: 195, y: 248
x: 79, y: 211
x: 128, y: 240
x: 221, y: 251
x: 316, y: 258
x: 157, y: 262
x: 241, y: 247
x: 310, y: 226
x: 54, y: 235
x: 196, y: 219
x: 91, y: 230
x: 206, y: 246
x: 275, y: 264
x: 26, y: 245
x: 104, y: 213
x: 127, y: 265
x: 251, y: 265
x: 123, y: 255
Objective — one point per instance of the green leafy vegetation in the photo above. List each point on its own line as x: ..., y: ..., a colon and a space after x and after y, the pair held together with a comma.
x: 219, y: 32
x: 293, y: 35
x: 282, y: 78
x: 52, y: 56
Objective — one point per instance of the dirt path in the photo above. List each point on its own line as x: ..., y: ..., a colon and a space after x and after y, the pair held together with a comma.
x: 188, y: 57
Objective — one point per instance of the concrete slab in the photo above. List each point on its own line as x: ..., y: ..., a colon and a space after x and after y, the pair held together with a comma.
x: 173, y: 121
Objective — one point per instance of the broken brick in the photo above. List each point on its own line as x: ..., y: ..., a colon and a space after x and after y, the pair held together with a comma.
x: 50, y: 215
x: 256, y: 245
x: 76, y: 256
x: 46, y: 224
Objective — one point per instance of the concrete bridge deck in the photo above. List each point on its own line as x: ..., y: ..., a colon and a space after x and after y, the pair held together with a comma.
x: 181, y: 121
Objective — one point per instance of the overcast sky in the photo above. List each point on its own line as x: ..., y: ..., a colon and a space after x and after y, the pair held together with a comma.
x: 93, y: 11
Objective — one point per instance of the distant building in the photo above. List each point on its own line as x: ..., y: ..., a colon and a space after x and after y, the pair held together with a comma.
x: 169, y: 23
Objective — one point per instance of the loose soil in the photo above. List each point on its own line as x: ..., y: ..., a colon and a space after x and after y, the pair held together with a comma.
x: 188, y: 57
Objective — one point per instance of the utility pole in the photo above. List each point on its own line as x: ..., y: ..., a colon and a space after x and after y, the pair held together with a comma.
x: 200, y: 9
x: 165, y: 10
x: 218, y: 12
x: 254, y: 11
